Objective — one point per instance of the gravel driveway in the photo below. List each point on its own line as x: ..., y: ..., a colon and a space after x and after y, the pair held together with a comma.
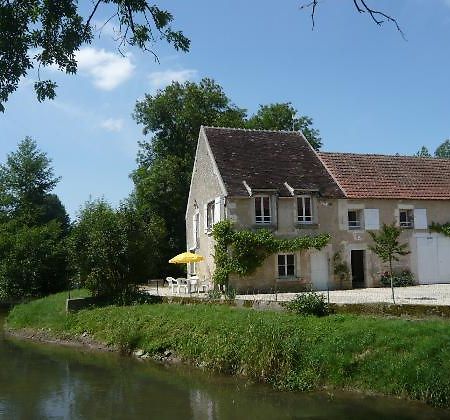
x: 434, y: 294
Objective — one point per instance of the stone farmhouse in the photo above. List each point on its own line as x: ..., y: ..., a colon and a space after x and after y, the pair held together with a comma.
x: 275, y: 180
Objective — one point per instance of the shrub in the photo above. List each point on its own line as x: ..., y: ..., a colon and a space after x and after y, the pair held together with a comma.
x: 230, y: 292
x: 214, y: 294
x: 401, y: 279
x: 310, y: 303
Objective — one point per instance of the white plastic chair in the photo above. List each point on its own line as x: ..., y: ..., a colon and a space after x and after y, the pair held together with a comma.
x: 172, y: 283
x: 182, y: 283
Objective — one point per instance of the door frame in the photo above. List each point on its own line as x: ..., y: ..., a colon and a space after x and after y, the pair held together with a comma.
x: 359, y: 247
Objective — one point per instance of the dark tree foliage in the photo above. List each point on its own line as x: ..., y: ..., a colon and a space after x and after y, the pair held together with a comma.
x: 283, y: 116
x: 112, y: 250
x: 33, y: 224
x: 423, y: 152
x: 39, y: 33
x: 33, y: 260
x: 26, y: 181
x: 443, y: 150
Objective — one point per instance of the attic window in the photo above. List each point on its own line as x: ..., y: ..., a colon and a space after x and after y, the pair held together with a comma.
x: 262, y: 210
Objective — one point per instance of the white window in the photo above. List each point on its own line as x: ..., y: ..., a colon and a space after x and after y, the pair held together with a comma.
x: 286, y: 265
x: 406, y: 218
x: 195, y: 229
x: 304, y: 209
x: 354, y: 219
x: 210, y: 215
x: 262, y: 210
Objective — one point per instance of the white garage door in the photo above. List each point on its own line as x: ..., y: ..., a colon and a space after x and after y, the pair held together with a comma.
x: 319, y: 270
x: 433, y: 259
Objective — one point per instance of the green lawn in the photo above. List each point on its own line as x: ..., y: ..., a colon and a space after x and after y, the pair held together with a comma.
x: 390, y: 356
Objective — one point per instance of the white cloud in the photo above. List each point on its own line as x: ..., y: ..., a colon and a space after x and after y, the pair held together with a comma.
x: 159, y: 79
x: 107, y: 69
x: 112, y: 124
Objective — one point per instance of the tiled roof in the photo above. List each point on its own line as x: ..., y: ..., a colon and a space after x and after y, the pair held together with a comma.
x: 267, y: 160
x: 381, y: 176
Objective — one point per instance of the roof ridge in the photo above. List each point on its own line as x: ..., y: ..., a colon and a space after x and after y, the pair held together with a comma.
x: 431, y: 158
x: 252, y: 129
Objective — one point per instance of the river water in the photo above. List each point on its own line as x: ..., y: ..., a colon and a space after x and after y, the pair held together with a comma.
x: 41, y: 381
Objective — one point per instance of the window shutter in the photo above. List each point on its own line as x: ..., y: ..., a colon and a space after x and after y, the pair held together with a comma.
x: 217, y: 210
x: 371, y: 219
x: 205, y: 218
x: 420, y: 219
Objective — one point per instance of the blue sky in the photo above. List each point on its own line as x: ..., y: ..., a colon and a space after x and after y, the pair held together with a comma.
x: 367, y: 89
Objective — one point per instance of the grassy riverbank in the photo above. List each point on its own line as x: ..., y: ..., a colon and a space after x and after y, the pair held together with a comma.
x: 391, y: 356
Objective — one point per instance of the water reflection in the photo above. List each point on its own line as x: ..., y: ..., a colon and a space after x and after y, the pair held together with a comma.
x: 41, y: 382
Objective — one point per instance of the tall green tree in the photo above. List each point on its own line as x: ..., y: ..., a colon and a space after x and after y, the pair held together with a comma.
x: 388, y: 247
x: 423, y: 152
x: 26, y: 181
x: 33, y: 224
x: 443, y: 150
x: 41, y: 33
x: 283, y: 116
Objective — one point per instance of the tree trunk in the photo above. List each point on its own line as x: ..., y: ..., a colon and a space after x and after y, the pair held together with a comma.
x: 392, y: 279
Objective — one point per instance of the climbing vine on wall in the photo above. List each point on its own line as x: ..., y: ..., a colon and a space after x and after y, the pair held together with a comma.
x: 242, y: 252
x: 444, y: 229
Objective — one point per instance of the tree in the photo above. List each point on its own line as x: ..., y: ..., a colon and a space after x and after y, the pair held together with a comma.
x: 362, y: 7
x: 41, y: 33
x: 33, y: 260
x: 443, y: 150
x: 283, y: 116
x: 112, y: 250
x: 388, y: 248
x: 33, y: 223
x: 26, y: 180
x: 423, y: 152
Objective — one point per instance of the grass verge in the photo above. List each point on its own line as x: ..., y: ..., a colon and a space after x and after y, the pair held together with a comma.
x: 390, y: 356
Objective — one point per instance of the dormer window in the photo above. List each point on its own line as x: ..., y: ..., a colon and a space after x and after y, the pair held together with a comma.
x: 304, y: 209
x: 262, y: 210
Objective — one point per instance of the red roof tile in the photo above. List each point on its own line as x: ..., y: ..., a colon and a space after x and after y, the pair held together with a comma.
x: 381, y: 176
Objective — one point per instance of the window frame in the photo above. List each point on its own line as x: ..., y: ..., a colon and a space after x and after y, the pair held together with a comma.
x: 196, y: 229
x: 210, y: 209
x: 409, y: 224
x: 358, y: 220
x: 285, y: 266
x: 263, y: 219
x: 302, y: 218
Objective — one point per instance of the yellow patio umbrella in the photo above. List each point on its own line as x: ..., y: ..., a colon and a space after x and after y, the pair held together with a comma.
x: 186, y: 258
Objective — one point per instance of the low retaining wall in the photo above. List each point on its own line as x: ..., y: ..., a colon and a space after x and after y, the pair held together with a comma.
x: 381, y: 309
